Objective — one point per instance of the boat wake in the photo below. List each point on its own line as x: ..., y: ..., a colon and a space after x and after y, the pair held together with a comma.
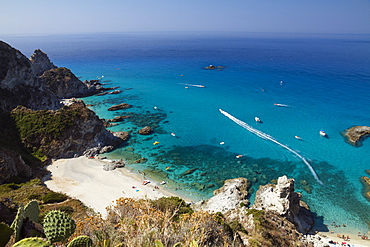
x: 193, y: 85
x: 270, y: 138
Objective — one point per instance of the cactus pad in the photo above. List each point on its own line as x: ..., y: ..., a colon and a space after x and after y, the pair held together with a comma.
x: 32, y: 211
x: 18, y: 222
x: 81, y: 241
x: 5, y: 233
x: 58, y: 226
x: 32, y: 242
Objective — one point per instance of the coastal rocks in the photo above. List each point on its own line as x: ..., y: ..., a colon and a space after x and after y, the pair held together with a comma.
x: 356, y: 135
x: 119, y: 107
x: 12, y: 165
x: 282, y: 199
x: 366, y: 187
x: 19, y: 84
x: 113, y: 165
x: 77, y: 129
x: 41, y: 62
x: 230, y: 196
x: 118, y: 119
x: 63, y: 83
x: 145, y: 131
x: 122, y: 135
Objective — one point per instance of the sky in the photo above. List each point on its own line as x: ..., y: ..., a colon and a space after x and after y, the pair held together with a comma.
x: 282, y: 16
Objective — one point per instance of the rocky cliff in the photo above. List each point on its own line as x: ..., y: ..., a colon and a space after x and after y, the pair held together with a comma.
x: 19, y: 85
x: 33, y: 121
x: 277, y: 218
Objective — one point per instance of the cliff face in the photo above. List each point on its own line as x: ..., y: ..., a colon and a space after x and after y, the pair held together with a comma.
x: 19, y: 84
x: 64, y: 84
x: 277, y: 218
x: 41, y: 62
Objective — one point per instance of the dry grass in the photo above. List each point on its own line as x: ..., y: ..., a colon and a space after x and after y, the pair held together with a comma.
x: 139, y: 223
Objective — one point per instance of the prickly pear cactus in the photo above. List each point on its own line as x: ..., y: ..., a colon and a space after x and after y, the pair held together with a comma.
x: 5, y: 233
x: 32, y: 211
x: 32, y: 242
x: 81, y: 241
x: 58, y: 226
x: 158, y: 243
x: 18, y: 222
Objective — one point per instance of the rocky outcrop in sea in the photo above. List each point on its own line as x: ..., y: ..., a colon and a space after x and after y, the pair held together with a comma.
x: 357, y: 134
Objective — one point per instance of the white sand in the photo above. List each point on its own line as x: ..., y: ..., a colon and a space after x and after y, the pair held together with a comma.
x: 85, y: 179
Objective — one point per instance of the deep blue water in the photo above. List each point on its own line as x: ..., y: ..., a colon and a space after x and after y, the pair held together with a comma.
x: 324, y: 79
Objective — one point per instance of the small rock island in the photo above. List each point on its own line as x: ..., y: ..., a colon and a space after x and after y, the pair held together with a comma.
x: 356, y: 135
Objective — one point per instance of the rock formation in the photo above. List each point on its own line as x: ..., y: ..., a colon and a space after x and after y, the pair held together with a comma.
x: 145, y: 131
x: 119, y: 107
x: 357, y: 134
x: 230, y: 196
x: 82, y: 131
x: 41, y: 62
x: 366, y: 184
x: 19, y: 84
x: 282, y: 199
x: 12, y: 165
x: 272, y: 221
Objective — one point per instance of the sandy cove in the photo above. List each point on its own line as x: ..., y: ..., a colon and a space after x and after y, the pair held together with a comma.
x: 85, y: 179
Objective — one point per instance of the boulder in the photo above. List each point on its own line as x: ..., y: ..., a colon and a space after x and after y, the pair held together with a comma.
x: 282, y: 199
x: 119, y: 107
x: 357, y: 134
x: 145, y: 131
x: 232, y: 195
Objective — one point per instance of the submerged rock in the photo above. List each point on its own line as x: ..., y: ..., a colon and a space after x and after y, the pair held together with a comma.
x: 146, y: 131
x: 119, y: 106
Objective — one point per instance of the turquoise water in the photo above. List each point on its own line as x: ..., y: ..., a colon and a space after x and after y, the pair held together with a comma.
x: 324, y: 80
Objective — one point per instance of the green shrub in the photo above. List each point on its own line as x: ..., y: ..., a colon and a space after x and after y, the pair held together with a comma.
x: 171, y: 204
x: 66, y: 209
x: 52, y: 197
x: 34, y: 197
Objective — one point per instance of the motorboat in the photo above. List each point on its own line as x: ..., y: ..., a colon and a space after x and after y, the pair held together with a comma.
x: 258, y: 120
x: 282, y: 105
x: 322, y: 133
x: 299, y: 138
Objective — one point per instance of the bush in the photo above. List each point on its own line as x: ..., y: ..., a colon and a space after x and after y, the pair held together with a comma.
x: 34, y: 197
x: 171, y: 204
x: 66, y: 209
x: 52, y: 197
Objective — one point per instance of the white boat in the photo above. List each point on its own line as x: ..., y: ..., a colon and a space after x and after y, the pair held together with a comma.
x: 322, y: 133
x: 282, y: 105
x: 298, y: 137
x: 258, y: 120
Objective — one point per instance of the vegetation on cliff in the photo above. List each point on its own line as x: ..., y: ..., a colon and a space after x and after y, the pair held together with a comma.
x: 37, y: 129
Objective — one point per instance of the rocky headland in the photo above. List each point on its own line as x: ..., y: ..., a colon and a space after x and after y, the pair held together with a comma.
x: 36, y: 125
x: 356, y: 135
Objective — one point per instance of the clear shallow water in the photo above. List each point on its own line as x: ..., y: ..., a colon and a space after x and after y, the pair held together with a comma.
x: 325, y: 83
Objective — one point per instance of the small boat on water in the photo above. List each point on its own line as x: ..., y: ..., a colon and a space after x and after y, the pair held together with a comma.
x: 282, y: 105
x: 258, y: 120
x: 298, y: 137
x: 322, y: 133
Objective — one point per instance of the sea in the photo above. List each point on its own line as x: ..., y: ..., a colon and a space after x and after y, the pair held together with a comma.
x: 203, y: 116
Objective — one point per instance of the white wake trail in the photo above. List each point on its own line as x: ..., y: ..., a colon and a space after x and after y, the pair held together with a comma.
x: 270, y: 138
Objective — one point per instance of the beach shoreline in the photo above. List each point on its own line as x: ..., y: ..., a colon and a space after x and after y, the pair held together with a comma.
x: 84, y: 178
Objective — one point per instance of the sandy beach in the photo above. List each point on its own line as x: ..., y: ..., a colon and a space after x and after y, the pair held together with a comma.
x: 354, y: 240
x: 85, y: 179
